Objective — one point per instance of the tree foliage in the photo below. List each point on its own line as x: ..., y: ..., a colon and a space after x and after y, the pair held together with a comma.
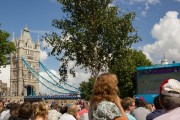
x: 125, y: 69
x: 6, y: 47
x: 126, y: 72
x: 94, y: 34
x: 86, y: 89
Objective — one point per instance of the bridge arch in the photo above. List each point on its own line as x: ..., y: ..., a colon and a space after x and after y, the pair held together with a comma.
x: 30, y: 90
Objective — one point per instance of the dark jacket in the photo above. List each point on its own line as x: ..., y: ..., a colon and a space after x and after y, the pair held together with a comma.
x: 155, y: 114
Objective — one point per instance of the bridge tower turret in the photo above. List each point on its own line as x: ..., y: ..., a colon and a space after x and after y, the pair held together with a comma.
x: 22, y: 82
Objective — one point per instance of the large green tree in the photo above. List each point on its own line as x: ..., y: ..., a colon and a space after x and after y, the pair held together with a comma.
x: 125, y: 69
x: 86, y: 88
x: 126, y: 72
x: 6, y: 47
x: 94, y: 34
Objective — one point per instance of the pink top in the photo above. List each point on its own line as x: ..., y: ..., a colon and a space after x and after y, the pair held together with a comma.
x: 81, y: 112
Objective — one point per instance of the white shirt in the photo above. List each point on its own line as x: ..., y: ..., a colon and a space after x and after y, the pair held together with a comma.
x: 171, y: 115
x: 3, y: 114
x: 66, y: 116
x: 84, y: 117
x: 54, y: 115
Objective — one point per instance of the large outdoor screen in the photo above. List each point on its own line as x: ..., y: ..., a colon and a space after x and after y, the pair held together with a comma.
x: 150, y: 78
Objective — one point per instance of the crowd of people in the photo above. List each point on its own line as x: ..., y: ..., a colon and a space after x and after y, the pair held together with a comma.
x: 105, y: 104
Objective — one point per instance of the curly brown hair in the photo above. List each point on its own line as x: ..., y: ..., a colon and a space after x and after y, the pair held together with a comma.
x: 41, y: 110
x: 105, y: 88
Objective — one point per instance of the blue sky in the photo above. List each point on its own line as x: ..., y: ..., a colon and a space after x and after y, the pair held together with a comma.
x: 157, y: 22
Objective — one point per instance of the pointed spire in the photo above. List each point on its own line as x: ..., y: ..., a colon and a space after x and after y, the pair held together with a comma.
x: 13, y: 40
x: 26, y: 29
x: 26, y: 35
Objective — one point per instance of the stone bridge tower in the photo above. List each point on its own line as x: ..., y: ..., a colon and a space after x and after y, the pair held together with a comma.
x: 22, y: 82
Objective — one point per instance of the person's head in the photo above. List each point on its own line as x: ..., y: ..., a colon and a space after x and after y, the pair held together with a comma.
x: 157, y: 102
x: 140, y: 103
x: 41, y: 110
x: 9, y: 106
x: 72, y: 110
x: 14, y: 111
x: 128, y: 104
x: 170, y: 94
x: 55, y: 106
x: 64, y: 109
x: 13, y: 118
x: 25, y: 110
x: 149, y: 107
x: 105, y: 88
x: 85, y: 105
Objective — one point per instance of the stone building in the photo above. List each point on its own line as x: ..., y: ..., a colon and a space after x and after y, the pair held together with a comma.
x: 3, y: 89
x: 22, y: 82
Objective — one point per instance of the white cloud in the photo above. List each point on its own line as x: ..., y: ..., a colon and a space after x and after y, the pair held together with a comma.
x: 166, y: 34
x: 43, y: 55
x: 143, y: 13
x: 45, y: 44
x: 42, y: 88
x: 5, y: 74
x: 148, y: 56
x: 152, y: 2
x: 147, y: 4
x: 80, y: 76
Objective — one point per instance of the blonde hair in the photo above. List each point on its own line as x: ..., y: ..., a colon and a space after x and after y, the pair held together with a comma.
x: 149, y: 107
x: 105, y: 88
x: 72, y: 110
x: 41, y: 110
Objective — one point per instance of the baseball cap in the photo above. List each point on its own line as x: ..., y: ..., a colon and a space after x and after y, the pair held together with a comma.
x: 170, y: 87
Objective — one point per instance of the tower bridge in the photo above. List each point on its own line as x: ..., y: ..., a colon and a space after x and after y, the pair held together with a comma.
x: 20, y: 79
x: 24, y: 72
